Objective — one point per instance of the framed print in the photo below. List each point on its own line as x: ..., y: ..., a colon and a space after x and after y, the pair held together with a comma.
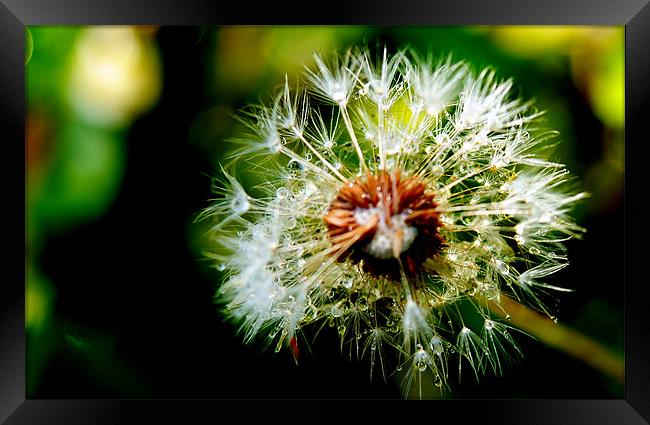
x: 224, y: 203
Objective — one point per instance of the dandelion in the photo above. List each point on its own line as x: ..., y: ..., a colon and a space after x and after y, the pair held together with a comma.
x: 400, y: 197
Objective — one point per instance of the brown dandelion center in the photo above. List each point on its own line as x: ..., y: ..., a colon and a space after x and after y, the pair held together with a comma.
x: 381, y: 218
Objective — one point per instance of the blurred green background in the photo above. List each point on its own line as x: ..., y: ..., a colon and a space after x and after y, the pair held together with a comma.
x: 126, y: 124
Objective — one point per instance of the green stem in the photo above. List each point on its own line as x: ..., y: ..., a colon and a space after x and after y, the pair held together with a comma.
x: 562, y: 337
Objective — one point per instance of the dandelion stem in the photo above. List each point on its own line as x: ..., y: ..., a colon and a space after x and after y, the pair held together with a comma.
x: 562, y: 337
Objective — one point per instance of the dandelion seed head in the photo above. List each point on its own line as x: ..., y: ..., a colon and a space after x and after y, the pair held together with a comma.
x: 394, y: 188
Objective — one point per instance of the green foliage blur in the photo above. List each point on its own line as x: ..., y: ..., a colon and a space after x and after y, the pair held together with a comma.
x: 87, y: 86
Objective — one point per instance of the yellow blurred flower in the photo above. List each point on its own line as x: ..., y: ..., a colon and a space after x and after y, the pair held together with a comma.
x: 533, y: 41
x: 115, y: 75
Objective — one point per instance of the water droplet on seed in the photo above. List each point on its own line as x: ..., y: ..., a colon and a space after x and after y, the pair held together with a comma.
x: 502, y: 267
x: 282, y: 193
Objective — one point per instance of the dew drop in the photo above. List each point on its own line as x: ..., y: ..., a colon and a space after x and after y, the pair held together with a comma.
x: 436, y: 345
x: 502, y: 267
x: 336, y: 311
x: 291, y: 222
x: 240, y: 204
x: 437, y: 170
x: 296, y: 167
x: 437, y: 381
x: 347, y: 283
x: 282, y: 193
x: 362, y: 304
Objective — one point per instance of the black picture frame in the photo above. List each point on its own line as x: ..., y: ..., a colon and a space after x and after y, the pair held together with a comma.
x: 16, y: 14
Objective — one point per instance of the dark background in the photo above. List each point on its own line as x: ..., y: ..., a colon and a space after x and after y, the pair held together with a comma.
x: 133, y: 314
